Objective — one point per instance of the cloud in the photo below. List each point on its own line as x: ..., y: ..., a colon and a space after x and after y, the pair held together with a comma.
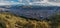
x: 46, y: 2
x: 8, y: 2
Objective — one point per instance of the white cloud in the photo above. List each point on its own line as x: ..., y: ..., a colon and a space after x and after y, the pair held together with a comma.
x: 2, y: 2
x: 20, y: 0
x: 46, y: 2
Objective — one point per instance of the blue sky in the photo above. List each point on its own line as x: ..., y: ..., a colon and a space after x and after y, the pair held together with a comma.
x: 16, y: 0
x: 10, y: 0
x: 13, y: 0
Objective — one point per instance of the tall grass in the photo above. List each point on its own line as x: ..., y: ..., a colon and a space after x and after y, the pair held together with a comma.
x: 21, y: 22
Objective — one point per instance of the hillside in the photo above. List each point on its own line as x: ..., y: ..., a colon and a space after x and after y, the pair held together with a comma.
x: 9, y: 20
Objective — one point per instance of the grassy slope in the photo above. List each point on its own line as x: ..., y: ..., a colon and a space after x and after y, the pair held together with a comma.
x: 14, y: 21
x: 55, y: 18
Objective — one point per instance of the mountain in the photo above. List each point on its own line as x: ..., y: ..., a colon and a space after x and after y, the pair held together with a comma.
x: 34, y: 12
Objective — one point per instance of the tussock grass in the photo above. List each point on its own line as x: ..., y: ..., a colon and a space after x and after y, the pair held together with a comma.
x: 13, y: 21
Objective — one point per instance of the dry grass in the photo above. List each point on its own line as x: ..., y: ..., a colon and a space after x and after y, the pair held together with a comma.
x: 13, y: 21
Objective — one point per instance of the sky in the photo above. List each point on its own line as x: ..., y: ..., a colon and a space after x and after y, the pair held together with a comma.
x: 17, y: 0
x: 13, y: 0
x: 24, y: 1
x: 10, y: 0
x: 4, y: 3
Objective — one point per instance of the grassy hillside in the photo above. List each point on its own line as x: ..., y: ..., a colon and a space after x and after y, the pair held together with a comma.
x: 9, y: 20
x: 12, y: 21
x: 55, y: 19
